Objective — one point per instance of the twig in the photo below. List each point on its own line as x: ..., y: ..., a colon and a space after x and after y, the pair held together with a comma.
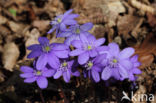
x: 142, y: 6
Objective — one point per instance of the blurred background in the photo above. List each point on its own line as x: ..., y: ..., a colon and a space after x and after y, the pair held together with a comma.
x: 126, y: 22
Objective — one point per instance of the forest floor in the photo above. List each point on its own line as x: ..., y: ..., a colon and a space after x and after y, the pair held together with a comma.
x: 126, y: 22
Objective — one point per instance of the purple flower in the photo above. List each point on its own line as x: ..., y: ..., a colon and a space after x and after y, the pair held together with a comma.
x: 134, y: 69
x: 60, y: 22
x: 73, y: 33
x: 66, y: 68
x: 48, y: 53
x: 93, y: 68
x: 86, y: 47
x: 39, y: 75
x: 117, y: 63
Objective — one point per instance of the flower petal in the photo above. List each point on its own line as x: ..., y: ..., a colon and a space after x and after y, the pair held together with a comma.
x: 26, y: 69
x: 137, y: 64
x: 86, y: 26
x: 66, y: 76
x: 48, y: 73
x: 126, y: 53
x: 115, y: 74
x: 70, y: 22
x: 41, y: 62
x: 43, y: 40
x: 30, y: 80
x: 83, y: 58
x: 83, y: 38
x: 59, y: 46
x: 76, y: 73
x: 96, y: 68
x: 136, y: 71
x: 99, y: 42
x: 64, y: 34
x: 134, y: 58
x: 93, y: 53
x: 106, y: 73
x: 123, y: 72
x: 71, y: 38
x: 27, y: 75
x: 34, y: 47
x: 76, y: 43
x: 72, y: 16
x: 102, y: 49
x: 53, y: 61
x: 42, y: 82
x: 95, y: 75
x: 70, y: 63
x: 52, y: 29
x: 90, y: 38
x: 126, y: 64
x: 34, y: 54
x: 131, y: 77
x: 62, y: 27
x: 67, y: 13
x: 57, y: 74
x: 99, y: 58
x: 62, y: 54
x: 114, y: 49
x: 76, y: 52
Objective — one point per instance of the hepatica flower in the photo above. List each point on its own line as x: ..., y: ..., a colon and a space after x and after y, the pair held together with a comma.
x: 93, y: 68
x: 48, y: 53
x: 39, y: 75
x: 66, y: 68
x: 86, y: 48
x: 117, y: 63
x: 73, y: 33
x: 134, y: 69
x: 60, y: 22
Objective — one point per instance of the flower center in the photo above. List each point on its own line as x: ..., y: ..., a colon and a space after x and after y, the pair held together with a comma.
x: 64, y: 64
x: 115, y: 60
x: 89, y: 47
x: 46, y: 48
x: 38, y: 73
x: 58, y: 20
x: 77, y: 31
x: 89, y: 65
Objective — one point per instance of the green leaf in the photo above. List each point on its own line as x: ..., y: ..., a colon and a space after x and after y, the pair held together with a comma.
x: 12, y: 11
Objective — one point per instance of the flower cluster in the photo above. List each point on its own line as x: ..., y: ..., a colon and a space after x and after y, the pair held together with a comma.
x: 98, y: 61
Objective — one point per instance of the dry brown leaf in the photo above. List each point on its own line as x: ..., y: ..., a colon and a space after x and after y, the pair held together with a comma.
x: 4, y: 31
x: 146, y: 60
x: 114, y: 8
x: 141, y: 90
x: 15, y: 27
x: 126, y: 24
x: 98, y: 31
x: 41, y: 24
x: 151, y: 19
x: 3, y: 20
x: 146, y: 50
x: 10, y: 55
